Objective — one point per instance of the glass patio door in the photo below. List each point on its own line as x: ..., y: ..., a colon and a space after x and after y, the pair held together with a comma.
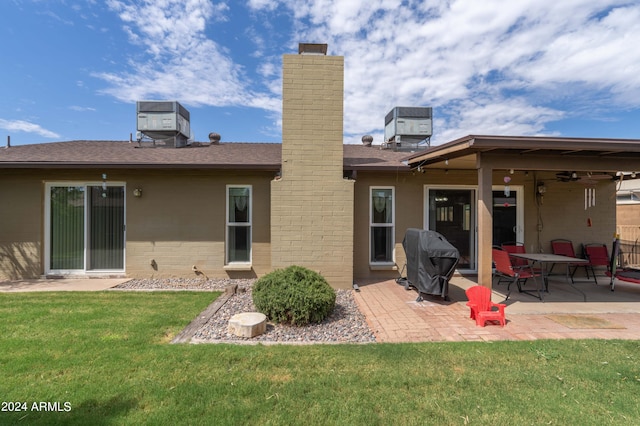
x: 85, y: 228
x: 66, y: 228
x: 505, y: 217
x: 105, y: 228
x: 452, y: 213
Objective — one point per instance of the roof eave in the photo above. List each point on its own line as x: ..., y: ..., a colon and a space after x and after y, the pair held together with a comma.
x: 93, y: 165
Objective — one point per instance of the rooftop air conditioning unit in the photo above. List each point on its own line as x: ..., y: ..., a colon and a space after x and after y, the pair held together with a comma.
x: 162, y: 120
x: 407, y: 127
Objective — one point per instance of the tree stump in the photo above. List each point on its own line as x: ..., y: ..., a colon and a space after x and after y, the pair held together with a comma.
x: 248, y: 324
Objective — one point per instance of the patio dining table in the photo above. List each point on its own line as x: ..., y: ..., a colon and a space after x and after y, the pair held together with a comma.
x: 545, y: 258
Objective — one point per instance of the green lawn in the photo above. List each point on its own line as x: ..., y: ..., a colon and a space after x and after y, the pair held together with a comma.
x: 107, y: 356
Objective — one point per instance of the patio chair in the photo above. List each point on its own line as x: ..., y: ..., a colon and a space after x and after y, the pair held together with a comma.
x: 598, y: 255
x: 515, y: 248
x: 516, y: 261
x: 481, y: 306
x: 565, y: 248
x: 506, y: 272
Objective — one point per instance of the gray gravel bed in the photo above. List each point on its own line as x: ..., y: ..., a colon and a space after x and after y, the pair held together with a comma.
x: 346, y: 324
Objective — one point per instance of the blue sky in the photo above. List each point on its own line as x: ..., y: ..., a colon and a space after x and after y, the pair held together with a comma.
x: 74, y: 69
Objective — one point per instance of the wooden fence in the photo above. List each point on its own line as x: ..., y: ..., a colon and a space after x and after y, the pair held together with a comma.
x: 629, y: 244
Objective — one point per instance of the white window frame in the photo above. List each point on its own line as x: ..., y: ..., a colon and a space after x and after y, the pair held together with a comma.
x: 245, y: 264
x: 519, y: 208
x: 47, y: 228
x: 392, y: 225
x: 519, y: 212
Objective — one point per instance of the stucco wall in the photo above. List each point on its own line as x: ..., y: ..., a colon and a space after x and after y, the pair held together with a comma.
x: 560, y: 215
x: 180, y: 219
x: 20, y: 225
x: 178, y: 222
x: 563, y: 215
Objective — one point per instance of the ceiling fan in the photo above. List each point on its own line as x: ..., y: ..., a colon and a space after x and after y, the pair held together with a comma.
x: 586, y: 178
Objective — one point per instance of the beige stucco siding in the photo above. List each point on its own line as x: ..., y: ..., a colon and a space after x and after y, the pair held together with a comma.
x: 20, y: 225
x: 180, y: 219
x: 179, y: 222
x: 408, y: 214
x: 561, y: 213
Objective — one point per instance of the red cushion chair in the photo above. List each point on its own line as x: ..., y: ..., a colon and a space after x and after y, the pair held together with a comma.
x: 482, y: 307
x: 598, y: 255
x: 516, y: 248
x: 505, y: 271
x: 565, y: 248
x: 519, y: 262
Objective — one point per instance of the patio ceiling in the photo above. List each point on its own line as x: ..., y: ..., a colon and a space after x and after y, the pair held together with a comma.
x: 532, y: 153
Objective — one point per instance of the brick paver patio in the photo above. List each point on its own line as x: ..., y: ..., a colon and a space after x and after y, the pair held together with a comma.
x: 395, y: 316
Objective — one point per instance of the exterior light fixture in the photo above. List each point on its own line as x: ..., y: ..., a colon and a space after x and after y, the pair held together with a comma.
x: 104, y: 185
x: 137, y: 192
x: 541, y: 188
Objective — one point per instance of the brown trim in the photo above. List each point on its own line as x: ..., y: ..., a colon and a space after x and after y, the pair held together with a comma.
x: 522, y: 146
x: 66, y: 165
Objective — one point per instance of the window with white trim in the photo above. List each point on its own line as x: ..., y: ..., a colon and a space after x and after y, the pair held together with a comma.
x: 238, y: 236
x: 381, y: 224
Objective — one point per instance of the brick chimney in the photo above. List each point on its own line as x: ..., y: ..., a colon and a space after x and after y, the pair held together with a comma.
x: 312, y: 204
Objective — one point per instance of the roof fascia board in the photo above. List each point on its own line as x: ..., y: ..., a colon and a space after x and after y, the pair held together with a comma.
x: 557, y: 163
x: 565, y: 146
x: 400, y: 168
x: 558, y: 144
x: 265, y: 167
x: 41, y: 165
x: 442, y: 152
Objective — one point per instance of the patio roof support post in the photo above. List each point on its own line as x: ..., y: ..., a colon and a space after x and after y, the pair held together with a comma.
x: 484, y: 221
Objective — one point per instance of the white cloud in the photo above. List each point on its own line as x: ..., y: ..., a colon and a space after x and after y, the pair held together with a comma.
x: 182, y: 63
x: 263, y: 4
x: 27, y: 127
x: 81, y: 108
x: 491, y: 67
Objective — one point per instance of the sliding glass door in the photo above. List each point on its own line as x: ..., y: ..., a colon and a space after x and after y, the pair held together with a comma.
x: 105, y: 228
x: 66, y: 227
x: 84, y: 228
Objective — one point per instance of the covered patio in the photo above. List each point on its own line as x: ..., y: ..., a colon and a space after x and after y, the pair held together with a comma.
x: 568, y: 183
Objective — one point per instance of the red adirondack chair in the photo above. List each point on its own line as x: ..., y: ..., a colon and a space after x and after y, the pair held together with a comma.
x: 482, y: 307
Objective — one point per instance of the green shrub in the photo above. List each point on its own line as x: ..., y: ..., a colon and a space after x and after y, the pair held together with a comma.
x: 294, y: 295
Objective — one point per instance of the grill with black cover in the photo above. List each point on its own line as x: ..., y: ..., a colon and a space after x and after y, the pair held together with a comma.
x: 431, y: 261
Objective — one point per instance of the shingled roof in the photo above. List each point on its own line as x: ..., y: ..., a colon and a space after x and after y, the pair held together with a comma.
x: 230, y: 155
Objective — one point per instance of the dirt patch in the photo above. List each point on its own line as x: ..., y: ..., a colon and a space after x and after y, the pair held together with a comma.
x: 583, y: 321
